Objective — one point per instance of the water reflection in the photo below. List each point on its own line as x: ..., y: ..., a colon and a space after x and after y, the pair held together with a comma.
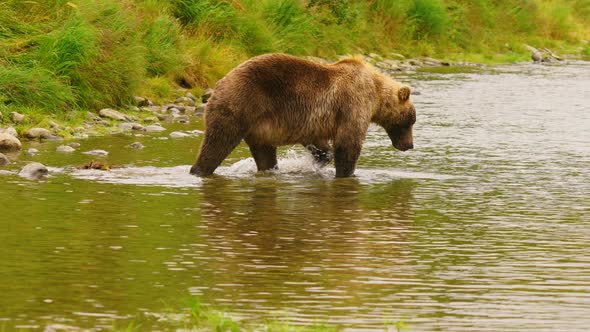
x: 302, y: 246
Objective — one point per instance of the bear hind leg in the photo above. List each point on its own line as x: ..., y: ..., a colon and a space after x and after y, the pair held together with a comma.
x: 265, y: 156
x: 322, y: 153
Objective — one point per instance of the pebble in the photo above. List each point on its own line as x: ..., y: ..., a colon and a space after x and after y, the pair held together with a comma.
x: 154, y: 128
x: 178, y: 134
x: 65, y: 148
x: 136, y: 145
x: 112, y: 114
x: 32, y: 152
x: 101, y: 153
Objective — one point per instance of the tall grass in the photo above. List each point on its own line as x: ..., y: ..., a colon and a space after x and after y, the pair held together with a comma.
x: 86, y: 54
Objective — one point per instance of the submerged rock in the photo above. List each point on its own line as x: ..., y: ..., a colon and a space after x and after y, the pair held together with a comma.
x: 97, y: 152
x: 33, y: 171
x: 136, y: 145
x: 154, y: 128
x: 178, y: 134
x: 9, y: 143
x: 4, y: 160
x: 65, y: 148
x: 32, y: 152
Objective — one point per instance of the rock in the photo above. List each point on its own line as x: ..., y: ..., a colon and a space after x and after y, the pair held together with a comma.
x: 33, y: 171
x: 135, y: 145
x: 206, y: 95
x: 9, y: 143
x: 112, y: 114
x: 37, y: 133
x: 190, y: 95
x: 178, y: 134
x: 32, y: 152
x: 131, y: 126
x: 17, y: 117
x: 74, y: 144
x: 174, y: 111
x: 100, y: 153
x: 65, y: 148
x: 140, y: 101
x: 4, y: 160
x: 196, y: 132
x: 165, y: 117
x: 154, y: 128
x: 92, y: 116
x: 537, y: 57
x: 200, y: 110
x: 375, y: 57
x: 432, y: 62
x: 53, y: 125
x: 180, y: 108
x: 185, y: 101
x: 182, y: 119
x: 397, y: 56
x: 151, y: 119
x: 415, y: 62
x: 11, y: 131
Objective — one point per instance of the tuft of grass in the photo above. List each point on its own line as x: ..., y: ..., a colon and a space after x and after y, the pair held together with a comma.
x: 34, y: 86
x: 430, y: 17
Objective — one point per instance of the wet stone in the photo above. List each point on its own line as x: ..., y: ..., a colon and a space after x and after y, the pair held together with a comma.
x: 4, y: 160
x: 136, y: 145
x: 9, y: 143
x: 33, y: 171
x: 154, y: 128
x: 65, y: 148
x: 100, y: 153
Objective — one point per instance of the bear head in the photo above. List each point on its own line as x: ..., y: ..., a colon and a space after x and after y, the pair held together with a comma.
x: 396, y: 114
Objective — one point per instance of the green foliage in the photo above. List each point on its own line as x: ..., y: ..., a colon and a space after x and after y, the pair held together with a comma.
x: 71, y: 54
x: 430, y: 17
x: 162, y: 41
x: 28, y: 86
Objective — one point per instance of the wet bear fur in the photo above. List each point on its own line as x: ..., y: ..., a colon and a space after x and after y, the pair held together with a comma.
x: 277, y: 99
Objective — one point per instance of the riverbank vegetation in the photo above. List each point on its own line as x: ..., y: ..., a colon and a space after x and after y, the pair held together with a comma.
x: 197, y: 317
x: 58, y: 56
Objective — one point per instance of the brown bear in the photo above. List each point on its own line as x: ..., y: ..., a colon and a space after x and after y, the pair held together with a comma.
x: 278, y: 99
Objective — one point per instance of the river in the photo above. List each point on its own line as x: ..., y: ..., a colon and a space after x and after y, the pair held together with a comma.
x: 484, y: 226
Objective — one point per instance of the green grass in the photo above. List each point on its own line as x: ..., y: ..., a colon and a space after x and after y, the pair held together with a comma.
x: 195, y: 316
x: 60, y: 56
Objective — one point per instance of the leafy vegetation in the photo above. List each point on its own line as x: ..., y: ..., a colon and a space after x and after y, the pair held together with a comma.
x: 59, y: 55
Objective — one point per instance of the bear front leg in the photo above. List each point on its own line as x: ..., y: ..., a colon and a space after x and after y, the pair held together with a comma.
x: 348, y: 143
x: 221, y: 137
x: 265, y: 156
x: 345, y: 158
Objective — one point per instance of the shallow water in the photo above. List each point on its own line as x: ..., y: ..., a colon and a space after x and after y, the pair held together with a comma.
x: 483, y: 227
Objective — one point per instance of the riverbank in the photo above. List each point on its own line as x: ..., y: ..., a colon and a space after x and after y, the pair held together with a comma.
x: 66, y: 58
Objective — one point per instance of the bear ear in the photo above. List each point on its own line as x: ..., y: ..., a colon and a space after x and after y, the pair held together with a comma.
x: 404, y: 93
